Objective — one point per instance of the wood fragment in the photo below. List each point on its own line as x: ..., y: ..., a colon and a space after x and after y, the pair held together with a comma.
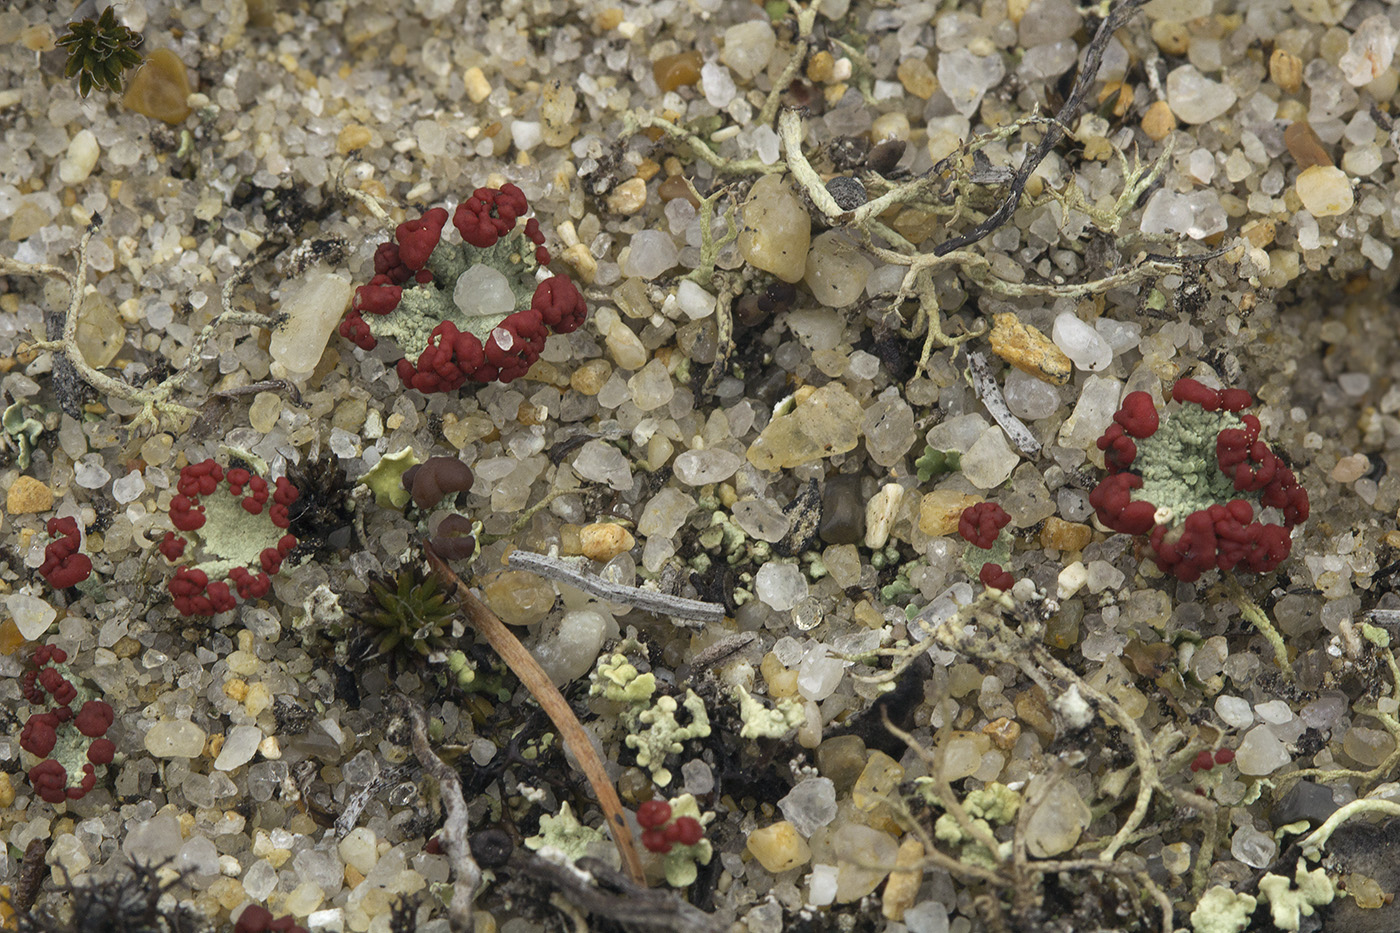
x: 525, y: 667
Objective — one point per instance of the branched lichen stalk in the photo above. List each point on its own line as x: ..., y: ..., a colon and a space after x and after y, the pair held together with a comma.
x: 455, y: 827
x: 1256, y: 617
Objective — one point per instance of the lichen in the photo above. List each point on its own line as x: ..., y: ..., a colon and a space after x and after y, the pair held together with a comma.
x: 760, y: 722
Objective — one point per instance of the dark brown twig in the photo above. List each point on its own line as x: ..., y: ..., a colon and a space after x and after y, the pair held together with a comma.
x: 1054, y: 132
x: 630, y: 906
x: 525, y: 667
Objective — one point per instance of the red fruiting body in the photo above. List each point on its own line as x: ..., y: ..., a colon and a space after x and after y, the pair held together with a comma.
x: 63, y: 566
x: 256, y: 919
x: 655, y: 841
x: 39, y: 734
x: 1189, y: 486
x: 686, y: 830
x: 1224, y: 756
x: 413, y: 294
x: 981, y: 523
x: 69, y: 744
x: 1203, y: 761
x: 653, y: 813
x: 992, y: 575
x: 94, y: 719
x: 230, y: 538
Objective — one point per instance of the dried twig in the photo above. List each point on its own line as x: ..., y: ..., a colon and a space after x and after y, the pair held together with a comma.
x: 990, y: 393
x: 453, y: 835
x: 647, y: 600
x: 629, y: 906
x: 525, y: 667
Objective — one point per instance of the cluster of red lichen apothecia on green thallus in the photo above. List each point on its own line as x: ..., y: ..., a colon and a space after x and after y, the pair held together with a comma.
x: 478, y: 309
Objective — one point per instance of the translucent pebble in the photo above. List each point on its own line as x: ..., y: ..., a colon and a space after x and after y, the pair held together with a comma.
x: 694, y: 300
x: 1323, y: 712
x: 714, y: 465
x: 652, y: 252
x: 1274, y: 712
x: 928, y: 917
x: 888, y: 425
x: 837, y: 269
x: 1028, y: 397
x: 481, y: 290
x: 1255, y: 849
x: 1235, y: 711
x: 697, y: 777
x: 778, y: 848
x: 765, y: 144
x: 819, y: 674
x: 567, y: 651
x: 1370, y: 50
x: 810, y: 805
x: 601, y: 462
x: 780, y: 586
x: 1081, y: 343
x: 128, y: 487
x: 748, y: 47
x: 240, y: 745
x: 313, y: 304
x: 175, y: 738
x: 990, y: 460
x: 526, y: 134
x: 821, y: 885
x: 717, y: 85
x: 260, y: 880
x: 359, y: 849
x: 651, y: 387
x: 1194, y: 98
x: 966, y: 77
x: 89, y: 472
x: 197, y: 856
x: 864, y: 857
x: 153, y: 841
x: 32, y: 615
x: 665, y: 513
x: 1260, y: 753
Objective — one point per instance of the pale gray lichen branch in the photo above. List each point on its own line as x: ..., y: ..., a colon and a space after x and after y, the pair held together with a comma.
x: 556, y: 568
x: 455, y: 828
x: 154, y: 402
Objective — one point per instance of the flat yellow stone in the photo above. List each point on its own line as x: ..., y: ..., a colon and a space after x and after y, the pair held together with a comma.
x: 779, y: 847
x: 1065, y: 536
x: 903, y: 887
x: 1029, y: 350
x: 28, y: 495
x: 159, y: 88
x: 602, y: 541
x: 940, y: 510
x: 352, y: 137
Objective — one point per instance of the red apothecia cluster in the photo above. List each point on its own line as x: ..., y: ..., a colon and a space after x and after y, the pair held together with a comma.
x: 256, y: 919
x: 1204, y: 760
x: 412, y: 296
x: 64, y: 564
x: 51, y: 732
x: 979, y: 526
x: 1190, y: 481
x: 660, y: 832
x: 190, y: 512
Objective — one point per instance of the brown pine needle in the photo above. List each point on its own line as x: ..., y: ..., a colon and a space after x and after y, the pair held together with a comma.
x: 524, y: 666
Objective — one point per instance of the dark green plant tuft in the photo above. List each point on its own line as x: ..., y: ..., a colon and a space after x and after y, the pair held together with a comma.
x: 100, y: 52
x: 409, y: 616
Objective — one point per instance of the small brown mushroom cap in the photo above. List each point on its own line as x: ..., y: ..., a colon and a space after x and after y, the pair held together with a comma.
x: 434, y: 479
x: 453, y: 540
